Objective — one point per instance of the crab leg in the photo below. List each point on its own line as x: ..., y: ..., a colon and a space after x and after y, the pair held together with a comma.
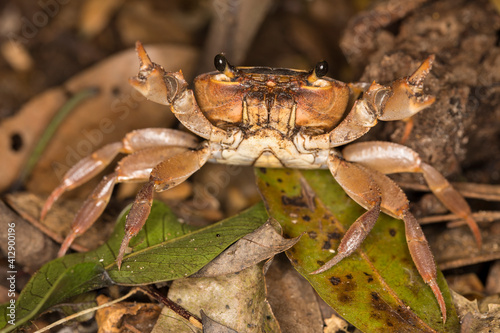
x: 93, y: 164
x: 388, y: 157
x: 375, y: 191
x: 401, y: 100
x: 132, y: 168
x: 165, y: 175
x: 170, y: 88
x: 366, y: 192
x: 395, y: 204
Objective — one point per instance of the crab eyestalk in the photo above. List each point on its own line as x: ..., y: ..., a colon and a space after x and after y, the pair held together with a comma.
x: 319, y: 71
x: 223, y: 66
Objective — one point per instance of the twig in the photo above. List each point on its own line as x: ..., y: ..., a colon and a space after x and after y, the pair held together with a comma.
x: 469, y: 190
x: 81, y: 313
x: 154, y: 292
x: 483, y: 216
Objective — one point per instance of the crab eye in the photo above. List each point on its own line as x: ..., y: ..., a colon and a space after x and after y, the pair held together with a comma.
x: 220, y: 62
x: 317, y: 73
x: 223, y: 66
x: 321, y: 69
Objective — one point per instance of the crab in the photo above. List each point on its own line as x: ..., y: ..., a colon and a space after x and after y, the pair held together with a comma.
x: 272, y: 118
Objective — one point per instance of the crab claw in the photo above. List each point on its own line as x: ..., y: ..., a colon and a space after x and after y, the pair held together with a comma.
x: 145, y: 61
x: 154, y: 82
x: 406, y: 96
x: 418, y: 77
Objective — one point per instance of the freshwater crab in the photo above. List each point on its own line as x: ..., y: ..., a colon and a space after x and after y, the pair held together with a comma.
x: 273, y: 118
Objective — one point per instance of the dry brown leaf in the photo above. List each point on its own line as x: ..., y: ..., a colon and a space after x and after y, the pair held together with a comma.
x: 235, y: 300
x: 212, y: 326
x: 263, y: 243
x: 95, y: 15
x: 57, y: 224
x: 472, y: 319
x: 493, y: 280
x: 20, y: 133
x: 292, y: 299
x: 116, y: 110
x: 115, y: 318
x: 466, y: 284
x: 140, y: 20
x: 35, y: 249
x: 456, y: 247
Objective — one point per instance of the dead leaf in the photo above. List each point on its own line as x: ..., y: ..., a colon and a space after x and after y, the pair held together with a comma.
x: 292, y: 299
x: 263, y: 243
x: 105, y: 118
x: 235, y: 300
x: 211, y: 326
x: 456, y: 247
x: 37, y: 249
x: 141, y: 20
x: 466, y: 284
x: 115, y: 318
x: 96, y: 14
x: 473, y: 320
x: 493, y: 280
x: 58, y: 222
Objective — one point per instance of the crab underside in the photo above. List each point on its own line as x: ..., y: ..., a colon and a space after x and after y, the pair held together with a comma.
x: 269, y: 117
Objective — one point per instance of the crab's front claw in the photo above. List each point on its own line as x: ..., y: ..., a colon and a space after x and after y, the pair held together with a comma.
x: 154, y: 82
x: 406, y: 97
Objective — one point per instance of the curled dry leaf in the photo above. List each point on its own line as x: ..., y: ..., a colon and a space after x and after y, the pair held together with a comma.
x: 104, y: 118
x: 118, y: 317
x: 263, y: 243
x: 473, y: 320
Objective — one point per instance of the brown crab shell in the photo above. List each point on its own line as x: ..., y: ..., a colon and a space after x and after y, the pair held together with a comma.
x: 319, y: 107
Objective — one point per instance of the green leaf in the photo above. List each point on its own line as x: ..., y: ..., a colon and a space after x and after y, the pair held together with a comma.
x: 165, y: 249
x: 377, y: 288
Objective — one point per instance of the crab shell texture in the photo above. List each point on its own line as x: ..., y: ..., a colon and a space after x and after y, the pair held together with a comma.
x: 271, y: 93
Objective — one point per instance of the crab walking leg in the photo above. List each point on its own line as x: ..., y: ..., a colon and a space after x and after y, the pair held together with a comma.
x: 81, y: 172
x: 395, y: 204
x: 132, y: 168
x: 365, y: 191
x: 167, y: 174
x: 388, y: 157
x: 93, y: 164
x: 170, y: 88
x: 401, y: 100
